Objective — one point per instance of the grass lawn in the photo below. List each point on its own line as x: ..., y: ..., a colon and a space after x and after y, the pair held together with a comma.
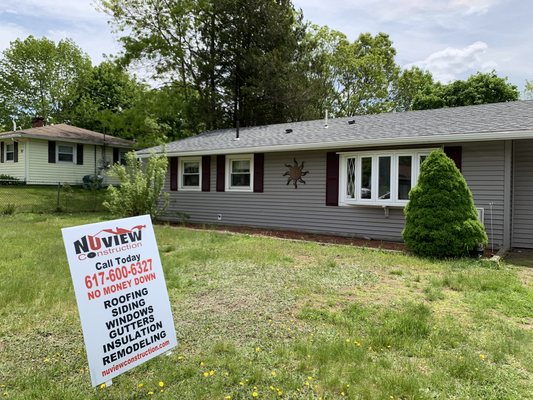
x: 44, y: 199
x: 267, y: 318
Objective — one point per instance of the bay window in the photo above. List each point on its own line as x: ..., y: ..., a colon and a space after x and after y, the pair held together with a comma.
x: 379, y: 178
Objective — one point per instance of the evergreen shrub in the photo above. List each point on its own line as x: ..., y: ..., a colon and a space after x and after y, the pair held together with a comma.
x: 441, y: 218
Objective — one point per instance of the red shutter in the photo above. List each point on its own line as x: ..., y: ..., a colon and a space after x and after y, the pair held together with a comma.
x: 332, y: 179
x: 456, y: 154
x: 259, y: 172
x: 174, y: 173
x: 206, y: 173
x: 221, y: 175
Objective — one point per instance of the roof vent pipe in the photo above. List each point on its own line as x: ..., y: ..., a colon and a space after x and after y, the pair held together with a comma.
x: 237, y: 122
x: 14, y: 125
x: 326, y: 120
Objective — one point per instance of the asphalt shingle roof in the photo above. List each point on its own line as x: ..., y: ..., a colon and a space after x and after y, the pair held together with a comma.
x: 479, y: 119
x: 68, y: 132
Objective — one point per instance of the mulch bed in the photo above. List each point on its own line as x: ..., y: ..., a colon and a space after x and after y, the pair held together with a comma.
x: 310, y: 237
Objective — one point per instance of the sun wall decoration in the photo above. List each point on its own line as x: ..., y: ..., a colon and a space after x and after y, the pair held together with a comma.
x: 295, y: 173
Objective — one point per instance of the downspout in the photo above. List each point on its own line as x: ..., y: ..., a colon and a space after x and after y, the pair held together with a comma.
x: 508, y: 188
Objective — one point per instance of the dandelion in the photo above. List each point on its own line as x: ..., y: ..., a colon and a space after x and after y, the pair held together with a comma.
x: 227, y: 397
x: 211, y: 373
x: 257, y: 349
x: 206, y: 374
x: 482, y: 356
x: 46, y: 360
x: 343, y: 394
x: 5, y: 393
x: 306, y: 383
x: 347, y: 340
x: 161, y: 384
x: 255, y: 394
x: 241, y: 383
x: 180, y: 357
x: 202, y: 363
x: 102, y: 386
x: 140, y: 385
x: 280, y: 392
x: 309, y: 378
x: 150, y: 393
x: 226, y: 373
x: 273, y: 373
x: 272, y: 388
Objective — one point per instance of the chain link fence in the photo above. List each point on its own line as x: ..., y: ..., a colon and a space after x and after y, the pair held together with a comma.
x: 18, y: 196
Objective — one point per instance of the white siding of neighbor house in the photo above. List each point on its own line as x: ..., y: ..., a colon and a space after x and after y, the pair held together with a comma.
x: 15, y: 169
x: 40, y: 171
x: 282, y: 206
x: 523, y: 194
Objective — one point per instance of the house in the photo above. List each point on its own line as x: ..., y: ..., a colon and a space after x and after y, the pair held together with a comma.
x: 45, y: 155
x: 351, y: 176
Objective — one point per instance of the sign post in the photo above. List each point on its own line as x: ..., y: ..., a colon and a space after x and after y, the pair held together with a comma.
x: 121, y: 293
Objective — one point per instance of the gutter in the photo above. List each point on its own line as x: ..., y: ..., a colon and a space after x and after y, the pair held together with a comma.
x: 378, y: 142
x: 61, y: 139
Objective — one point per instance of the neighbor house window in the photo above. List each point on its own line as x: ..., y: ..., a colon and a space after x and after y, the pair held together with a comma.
x: 122, y: 157
x: 65, y: 153
x: 10, y: 152
x: 379, y: 178
x: 190, y: 173
x: 239, y: 175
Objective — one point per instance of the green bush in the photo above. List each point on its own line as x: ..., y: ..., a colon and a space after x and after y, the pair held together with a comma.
x: 441, y: 219
x: 141, y: 187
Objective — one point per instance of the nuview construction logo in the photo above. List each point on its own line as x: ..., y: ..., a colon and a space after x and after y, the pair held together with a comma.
x: 108, y: 241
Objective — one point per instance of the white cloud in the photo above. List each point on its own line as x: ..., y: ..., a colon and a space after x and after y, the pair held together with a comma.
x: 71, y: 10
x: 58, y: 19
x: 451, y: 63
x: 10, y: 32
x: 392, y: 10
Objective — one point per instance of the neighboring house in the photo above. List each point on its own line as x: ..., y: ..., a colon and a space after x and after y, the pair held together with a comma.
x: 62, y: 153
x: 357, y: 171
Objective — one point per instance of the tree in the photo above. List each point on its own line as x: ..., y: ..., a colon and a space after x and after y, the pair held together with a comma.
x: 529, y: 89
x: 411, y: 83
x: 480, y: 88
x: 441, y: 219
x: 38, y: 78
x: 234, y: 59
x: 141, y: 187
x: 364, y: 74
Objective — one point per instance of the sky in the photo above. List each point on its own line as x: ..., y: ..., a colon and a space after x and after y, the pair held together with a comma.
x: 451, y: 38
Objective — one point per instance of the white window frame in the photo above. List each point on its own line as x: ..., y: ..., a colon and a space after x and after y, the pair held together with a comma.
x: 415, y: 155
x: 74, y: 151
x: 239, y: 157
x: 12, y: 151
x: 181, y: 171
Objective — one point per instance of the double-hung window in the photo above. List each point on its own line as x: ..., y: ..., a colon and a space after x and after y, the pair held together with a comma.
x: 10, y: 152
x: 379, y: 178
x: 65, y: 153
x: 190, y: 173
x: 239, y: 172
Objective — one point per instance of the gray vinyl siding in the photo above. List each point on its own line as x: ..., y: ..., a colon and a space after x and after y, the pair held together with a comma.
x: 281, y: 206
x: 523, y: 194
x: 484, y: 171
